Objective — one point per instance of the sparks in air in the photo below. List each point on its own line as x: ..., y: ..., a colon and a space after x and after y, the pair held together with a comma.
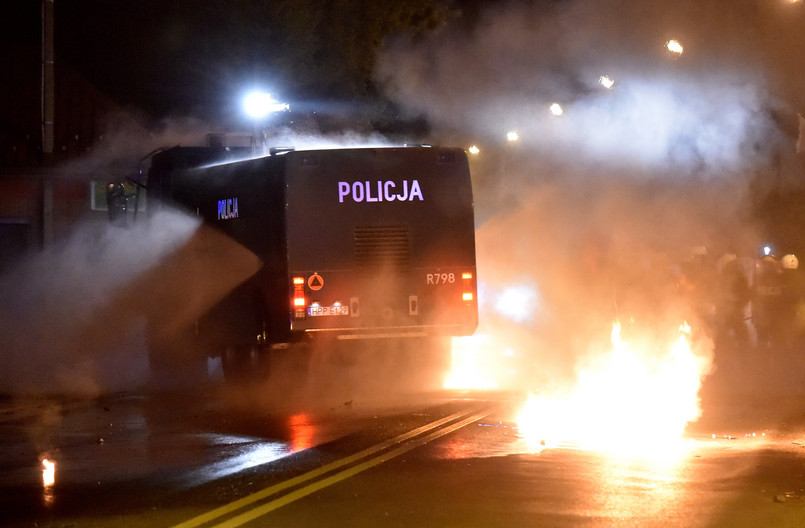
x: 674, y: 47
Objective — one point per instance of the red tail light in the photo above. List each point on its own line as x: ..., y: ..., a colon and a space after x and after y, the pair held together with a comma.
x: 298, y: 301
x: 467, y: 291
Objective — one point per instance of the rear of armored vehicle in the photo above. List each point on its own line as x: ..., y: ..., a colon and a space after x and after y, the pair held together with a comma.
x: 381, y: 243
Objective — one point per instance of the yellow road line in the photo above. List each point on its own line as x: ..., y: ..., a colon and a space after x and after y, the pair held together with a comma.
x: 272, y: 490
x: 263, y: 509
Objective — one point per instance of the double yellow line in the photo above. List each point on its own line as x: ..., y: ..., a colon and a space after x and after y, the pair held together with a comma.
x: 384, y: 451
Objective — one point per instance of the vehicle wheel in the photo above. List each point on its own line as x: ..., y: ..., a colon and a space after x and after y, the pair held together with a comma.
x: 245, y: 364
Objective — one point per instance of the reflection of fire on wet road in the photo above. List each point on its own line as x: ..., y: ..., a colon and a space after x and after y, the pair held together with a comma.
x: 302, y: 432
x: 629, y: 401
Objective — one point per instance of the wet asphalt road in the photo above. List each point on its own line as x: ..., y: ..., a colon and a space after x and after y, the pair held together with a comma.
x: 218, y: 458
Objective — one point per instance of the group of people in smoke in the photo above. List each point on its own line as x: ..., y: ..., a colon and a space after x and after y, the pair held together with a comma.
x: 755, y: 301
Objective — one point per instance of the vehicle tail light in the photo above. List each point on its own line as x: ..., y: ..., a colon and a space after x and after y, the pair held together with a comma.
x: 298, y: 301
x: 467, y: 290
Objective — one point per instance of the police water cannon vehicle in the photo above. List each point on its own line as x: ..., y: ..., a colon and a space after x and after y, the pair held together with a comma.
x: 354, y: 244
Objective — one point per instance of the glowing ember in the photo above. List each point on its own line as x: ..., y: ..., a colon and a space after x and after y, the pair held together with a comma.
x: 624, y: 402
x: 48, y: 473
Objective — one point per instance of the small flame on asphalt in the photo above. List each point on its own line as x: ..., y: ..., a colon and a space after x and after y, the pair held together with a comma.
x: 48, y: 472
x: 48, y: 480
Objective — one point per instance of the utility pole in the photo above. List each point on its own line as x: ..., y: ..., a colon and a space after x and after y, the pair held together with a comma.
x: 47, y: 111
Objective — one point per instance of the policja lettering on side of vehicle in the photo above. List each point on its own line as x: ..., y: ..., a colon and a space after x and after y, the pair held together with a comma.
x: 228, y: 209
x: 380, y: 191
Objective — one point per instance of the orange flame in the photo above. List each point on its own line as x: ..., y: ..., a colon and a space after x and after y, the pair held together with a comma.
x: 48, y: 481
x: 623, y: 402
x: 48, y: 473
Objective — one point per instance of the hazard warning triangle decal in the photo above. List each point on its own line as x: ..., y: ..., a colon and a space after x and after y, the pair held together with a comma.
x: 315, y: 282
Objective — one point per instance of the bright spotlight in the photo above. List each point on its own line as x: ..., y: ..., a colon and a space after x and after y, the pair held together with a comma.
x: 258, y: 105
x: 512, y: 136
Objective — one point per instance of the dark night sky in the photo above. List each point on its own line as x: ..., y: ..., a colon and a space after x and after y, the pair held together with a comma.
x: 188, y: 57
x: 197, y: 58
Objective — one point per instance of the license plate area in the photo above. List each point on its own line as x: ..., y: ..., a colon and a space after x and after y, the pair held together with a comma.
x: 317, y: 310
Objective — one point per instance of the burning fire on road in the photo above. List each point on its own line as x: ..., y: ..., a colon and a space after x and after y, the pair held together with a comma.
x: 633, y: 398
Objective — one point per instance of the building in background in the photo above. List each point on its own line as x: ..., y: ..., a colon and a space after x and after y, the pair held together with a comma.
x: 49, y: 115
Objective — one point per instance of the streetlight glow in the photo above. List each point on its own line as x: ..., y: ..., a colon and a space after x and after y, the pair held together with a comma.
x: 512, y: 136
x: 674, y: 47
x: 556, y: 109
x: 606, y: 81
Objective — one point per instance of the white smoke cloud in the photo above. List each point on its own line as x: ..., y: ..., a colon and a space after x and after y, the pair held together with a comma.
x: 599, y: 207
x: 702, y: 111
x: 74, y: 316
x: 59, y: 329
